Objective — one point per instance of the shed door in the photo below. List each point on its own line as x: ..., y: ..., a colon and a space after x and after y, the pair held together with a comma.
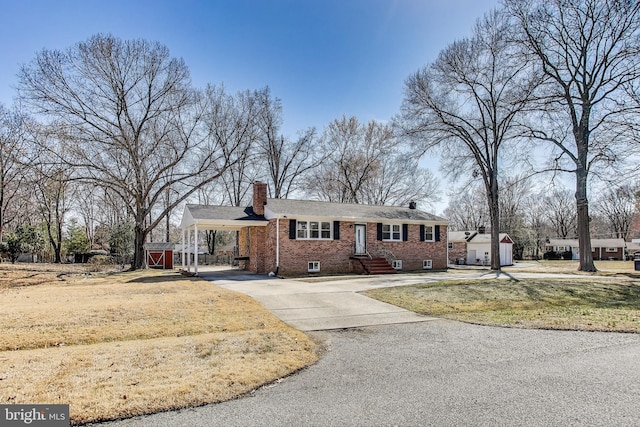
x: 471, y: 256
x: 361, y: 239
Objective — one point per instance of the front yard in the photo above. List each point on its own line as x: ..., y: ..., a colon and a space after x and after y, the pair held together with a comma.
x: 134, y: 343
x: 607, y: 304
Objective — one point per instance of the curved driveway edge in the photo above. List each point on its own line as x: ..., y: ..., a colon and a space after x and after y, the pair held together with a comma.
x: 443, y: 373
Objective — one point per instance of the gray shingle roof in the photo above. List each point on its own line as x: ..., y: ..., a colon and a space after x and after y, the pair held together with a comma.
x: 204, y: 212
x: 345, y: 211
x: 595, y: 243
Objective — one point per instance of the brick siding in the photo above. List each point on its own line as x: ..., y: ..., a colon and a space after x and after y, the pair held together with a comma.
x: 459, y: 250
x: 334, y: 255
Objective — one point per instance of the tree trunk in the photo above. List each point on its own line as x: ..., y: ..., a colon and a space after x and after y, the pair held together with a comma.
x: 58, y: 248
x: 138, y: 247
x: 584, y: 235
x: 494, y: 218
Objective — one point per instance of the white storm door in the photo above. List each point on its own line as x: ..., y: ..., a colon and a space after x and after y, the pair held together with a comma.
x: 361, y: 239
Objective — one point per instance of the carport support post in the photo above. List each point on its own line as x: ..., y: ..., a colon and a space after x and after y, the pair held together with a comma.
x: 183, y: 246
x: 195, y: 248
x: 187, y: 248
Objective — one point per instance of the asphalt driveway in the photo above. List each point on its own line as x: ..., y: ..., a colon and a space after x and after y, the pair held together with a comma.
x: 443, y: 373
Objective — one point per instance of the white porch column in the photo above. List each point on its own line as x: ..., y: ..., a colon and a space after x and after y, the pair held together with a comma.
x: 183, y: 246
x: 195, y: 248
x: 187, y: 248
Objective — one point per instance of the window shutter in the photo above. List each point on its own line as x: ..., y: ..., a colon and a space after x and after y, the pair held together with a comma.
x: 405, y: 232
x: 379, y: 235
x: 422, y: 232
x: 336, y: 230
x: 292, y: 229
x: 437, y: 231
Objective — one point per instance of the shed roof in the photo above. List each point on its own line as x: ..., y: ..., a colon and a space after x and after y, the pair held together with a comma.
x: 486, y: 238
x: 461, y: 236
x: 159, y: 246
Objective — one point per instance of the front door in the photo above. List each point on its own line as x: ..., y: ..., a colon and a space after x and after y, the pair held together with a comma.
x: 361, y: 239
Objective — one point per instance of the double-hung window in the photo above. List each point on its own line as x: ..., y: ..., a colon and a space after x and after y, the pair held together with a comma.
x: 316, y: 230
x: 392, y: 232
x: 429, y: 235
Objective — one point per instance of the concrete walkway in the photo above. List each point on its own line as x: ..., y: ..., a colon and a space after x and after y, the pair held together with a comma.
x: 325, y: 303
x: 321, y: 304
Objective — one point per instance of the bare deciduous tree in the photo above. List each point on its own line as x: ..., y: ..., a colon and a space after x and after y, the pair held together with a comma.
x: 286, y: 161
x: 618, y: 206
x: 561, y: 213
x: 467, y: 209
x: 367, y: 163
x: 133, y: 121
x: 538, y: 229
x: 232, y: 122
x: 467, y: 104
x: 12, y: 170
x: 400, y: 180
x: 589, y: 52
x: 353, y: 153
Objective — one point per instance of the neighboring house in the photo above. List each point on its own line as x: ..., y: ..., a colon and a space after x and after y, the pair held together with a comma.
x: 633, y: 248
x: 292, y: 237
x: 474, y: 248
x: 601, y: 249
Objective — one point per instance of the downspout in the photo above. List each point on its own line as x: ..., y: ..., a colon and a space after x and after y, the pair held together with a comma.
x: 447, y: 243
x: 195, y: 249
x: 277, y: 245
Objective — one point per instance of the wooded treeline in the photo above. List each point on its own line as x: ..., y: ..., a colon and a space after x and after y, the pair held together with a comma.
x: 109, y: 138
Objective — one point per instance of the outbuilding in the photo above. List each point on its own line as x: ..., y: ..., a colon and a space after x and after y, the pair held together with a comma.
x: 159, y: 254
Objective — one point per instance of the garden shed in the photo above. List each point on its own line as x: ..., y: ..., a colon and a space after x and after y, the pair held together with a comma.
x: 159, y: 254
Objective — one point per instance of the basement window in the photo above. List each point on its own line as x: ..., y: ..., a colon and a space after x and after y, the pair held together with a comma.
x: 313, y: 267
x: 397, y: 264
x: 427, y: 264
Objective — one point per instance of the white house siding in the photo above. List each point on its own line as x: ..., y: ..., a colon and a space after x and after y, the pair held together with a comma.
x: 477, y: 251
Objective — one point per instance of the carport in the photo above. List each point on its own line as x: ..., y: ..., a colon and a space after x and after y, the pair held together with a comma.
x: 197, y: 218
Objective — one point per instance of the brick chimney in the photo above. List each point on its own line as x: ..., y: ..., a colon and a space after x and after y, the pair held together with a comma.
x: 259, y: 197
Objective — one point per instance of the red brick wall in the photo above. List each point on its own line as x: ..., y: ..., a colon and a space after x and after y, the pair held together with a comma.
x: 259, y: 197
x: 601, y: 253
x: 459, y: 250
x: 257, y: 260
x: 334, y: 254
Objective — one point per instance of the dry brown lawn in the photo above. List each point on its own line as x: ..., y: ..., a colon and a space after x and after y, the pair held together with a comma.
x: 605, y: 268
x: 602, y: 304
x: 126, y: 344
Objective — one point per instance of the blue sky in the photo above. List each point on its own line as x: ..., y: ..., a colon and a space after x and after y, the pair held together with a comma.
x: 323, y: 58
